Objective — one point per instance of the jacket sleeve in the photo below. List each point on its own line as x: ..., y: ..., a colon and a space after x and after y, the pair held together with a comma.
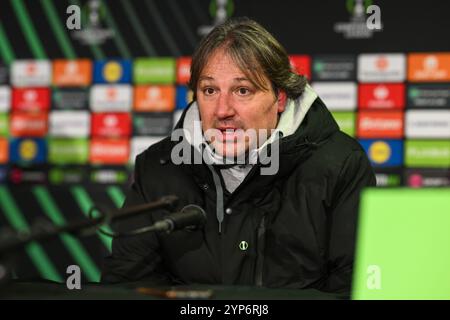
x: 137, y: 257
x: 355, y: 174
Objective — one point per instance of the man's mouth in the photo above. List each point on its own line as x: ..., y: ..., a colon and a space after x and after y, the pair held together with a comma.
x: 229, y: 134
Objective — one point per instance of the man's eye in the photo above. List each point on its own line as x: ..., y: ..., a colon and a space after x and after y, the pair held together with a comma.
x: 243, y: 91
x: 208, y: 91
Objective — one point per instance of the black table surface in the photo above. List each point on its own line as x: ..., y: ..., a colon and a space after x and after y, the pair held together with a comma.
x: 145, y: 291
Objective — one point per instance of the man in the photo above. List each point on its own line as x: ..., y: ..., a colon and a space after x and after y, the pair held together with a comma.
x: 293, y: 226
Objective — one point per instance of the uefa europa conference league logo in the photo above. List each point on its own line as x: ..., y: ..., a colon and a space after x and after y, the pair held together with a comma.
x: 208, y: 151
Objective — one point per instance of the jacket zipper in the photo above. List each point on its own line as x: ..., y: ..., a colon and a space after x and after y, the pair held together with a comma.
x: 261, y: 244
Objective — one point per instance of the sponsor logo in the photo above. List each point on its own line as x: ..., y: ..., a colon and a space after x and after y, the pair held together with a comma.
x: 183, y: 97
x: 113, y: 71
x: 68, y: 151
x: 28, y: 175
x: 427, y: 178
x: 68, y: 175
x: 109, y: 151
x: 154, y: 71
x: 429, y: 67
x: 5, y: 98
x: 29, y: 124
x: 381, y: 96
x: 4, y: 76
x: 154, y: 98
x: 427, y: 124
x: 384, y: 153
x: 346, y: 122
x: 334, y: 67
x: 112, y: 125
x: 4, y: 127
x: 183, y: 70
x: 381, y: 67
x: 337, y: 95
x: 69, y: 123
x: 220, y: 11
x: 429, y: 95
x: 388, y: 179
x: 4, y: 152
x: 92, y: 32
x: 140, y: 144
x: 375, y: 124
x: 301, y: 64
x: 427, y: 153
x: 365, y: 20
x: 111, y: 98
x: 72, y: 72
x: 31, y: 99
x: 28, y: 150
x: 109, y: 176
x: 152, y: 124
x: 31, y: 73
x: 72, y: 99
x: 379, y: 152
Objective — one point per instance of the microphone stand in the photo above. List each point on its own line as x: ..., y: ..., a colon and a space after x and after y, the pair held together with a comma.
x: 42, y: 232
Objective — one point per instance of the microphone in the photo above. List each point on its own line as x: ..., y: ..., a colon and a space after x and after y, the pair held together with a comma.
x: 45, y: 231
x: 164, y: 202
x: 190, y: 217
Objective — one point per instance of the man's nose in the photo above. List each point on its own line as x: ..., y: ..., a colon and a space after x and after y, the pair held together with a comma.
x: 224, y: 107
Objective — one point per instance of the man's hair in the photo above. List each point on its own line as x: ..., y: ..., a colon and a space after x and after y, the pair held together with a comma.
x: 255, y: 51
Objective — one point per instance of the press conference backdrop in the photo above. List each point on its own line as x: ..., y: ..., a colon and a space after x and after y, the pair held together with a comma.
x: 77, y: 106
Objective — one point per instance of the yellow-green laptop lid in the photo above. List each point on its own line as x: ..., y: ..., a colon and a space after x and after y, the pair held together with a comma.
x: 403, y: 245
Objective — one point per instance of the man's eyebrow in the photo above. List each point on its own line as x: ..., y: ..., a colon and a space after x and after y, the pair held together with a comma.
x: 205, y: 78
x: 240, y: 79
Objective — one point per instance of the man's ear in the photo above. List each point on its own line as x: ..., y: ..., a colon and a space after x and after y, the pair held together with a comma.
x: 281, y: 101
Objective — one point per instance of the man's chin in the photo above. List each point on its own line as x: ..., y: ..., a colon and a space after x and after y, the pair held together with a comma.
x: 230, y: 151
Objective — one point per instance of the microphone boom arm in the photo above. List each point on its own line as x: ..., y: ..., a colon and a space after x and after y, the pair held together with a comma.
x: 79, y: 228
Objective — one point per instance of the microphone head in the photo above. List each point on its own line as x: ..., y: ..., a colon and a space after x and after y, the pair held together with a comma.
x: 171, y: 201
x: 190, y: 217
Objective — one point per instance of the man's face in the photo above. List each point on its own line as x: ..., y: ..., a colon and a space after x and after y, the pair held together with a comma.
x: 230, y: 104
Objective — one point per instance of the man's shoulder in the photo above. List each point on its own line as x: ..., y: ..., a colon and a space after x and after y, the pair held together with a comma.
x: 333, y: 155
x: 337, y: 147
x: 156, y: 152
x: 344, y: 144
